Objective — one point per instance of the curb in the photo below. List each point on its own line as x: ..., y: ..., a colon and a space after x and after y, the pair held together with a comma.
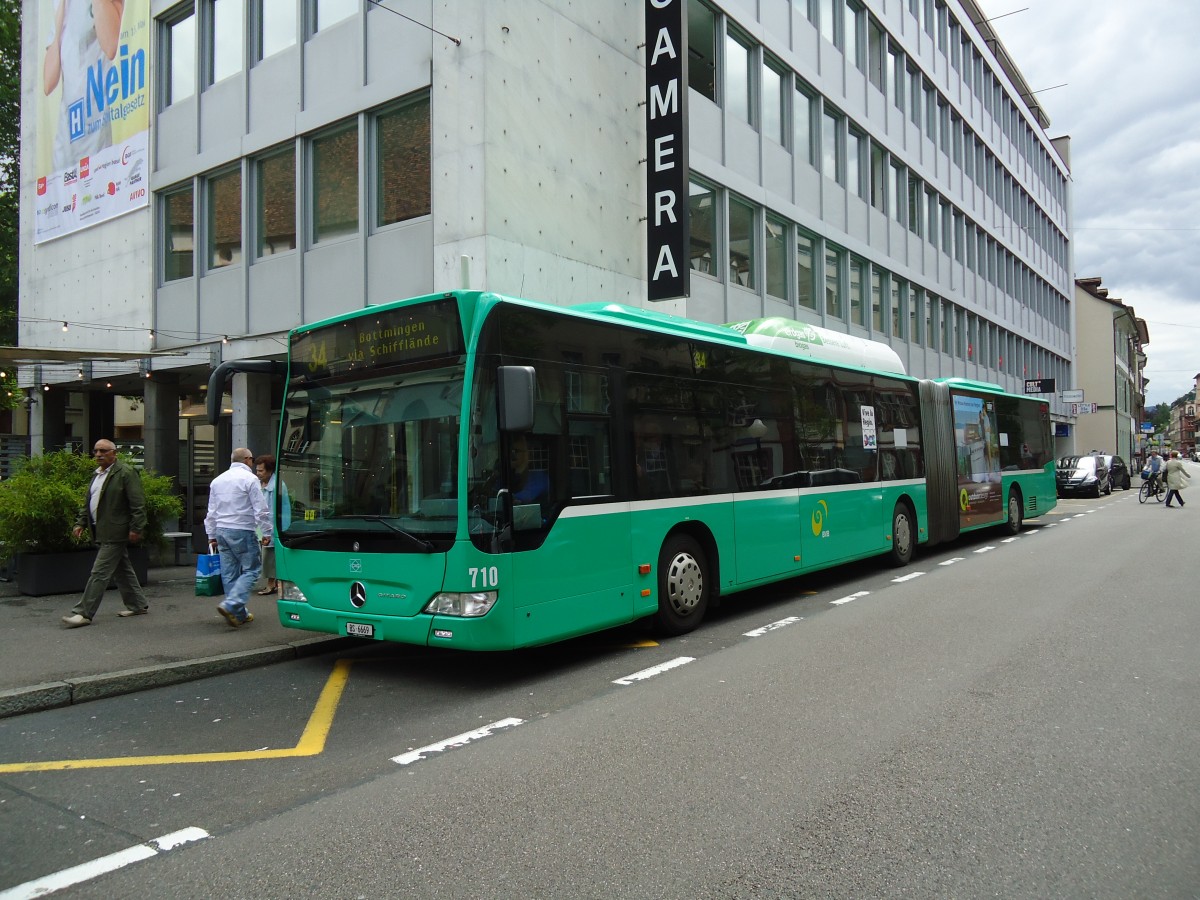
x: 70, y: 691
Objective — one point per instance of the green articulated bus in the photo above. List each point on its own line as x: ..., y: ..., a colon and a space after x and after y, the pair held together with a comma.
x: 481, y: 472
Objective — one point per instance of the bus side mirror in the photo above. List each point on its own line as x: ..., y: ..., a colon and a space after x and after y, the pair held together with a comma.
x: 515, y: 389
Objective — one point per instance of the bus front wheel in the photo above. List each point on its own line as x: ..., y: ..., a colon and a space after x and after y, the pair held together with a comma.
x: 904, y: 535
x: 684, y: 585
x: 1015, y: 512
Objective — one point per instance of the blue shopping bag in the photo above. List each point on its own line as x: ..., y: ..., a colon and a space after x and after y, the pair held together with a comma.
x: 208, y: 575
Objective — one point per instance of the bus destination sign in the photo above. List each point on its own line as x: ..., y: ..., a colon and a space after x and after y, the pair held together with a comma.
x: 391, y: 338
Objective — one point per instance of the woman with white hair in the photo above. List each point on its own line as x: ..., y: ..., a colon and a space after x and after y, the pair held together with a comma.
x: 1177, y: 478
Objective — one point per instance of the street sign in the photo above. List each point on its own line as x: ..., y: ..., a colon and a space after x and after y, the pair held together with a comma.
x: 1082, y: 409
x: 1039, y: 386
x: 1072, y: 396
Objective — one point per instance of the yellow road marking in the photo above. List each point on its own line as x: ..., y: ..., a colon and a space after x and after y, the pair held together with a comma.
x: 312, y: 741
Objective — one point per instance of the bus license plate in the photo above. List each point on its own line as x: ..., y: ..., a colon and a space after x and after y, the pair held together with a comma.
x: 359, y: 630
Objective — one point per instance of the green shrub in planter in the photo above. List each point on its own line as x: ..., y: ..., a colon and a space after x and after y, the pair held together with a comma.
x: 39, y: 503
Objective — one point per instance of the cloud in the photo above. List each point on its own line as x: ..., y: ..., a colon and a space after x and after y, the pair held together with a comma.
x: 1133, y: 116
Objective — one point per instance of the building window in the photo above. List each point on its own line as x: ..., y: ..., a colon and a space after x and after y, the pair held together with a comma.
x: 831, y: 160
x: 914, y: 95
x: 833, y: 282
x: 773, y: 96
x: 741, y: 243
x: 947, y: 326
x: 178, y: 234
x: 830, y: 26
x: 876, y: 300
x: 402, y: 163
x: 802, y: 126
x: 702, y: 216
x: 876, y: 53
x: 931, y: 312
x: 225, y: 50
x: 181, y: 58
x: 856, y: 143
x: 879, y: 183
x: 335, y: 183
x: 896, y: 305
x: 225, y: 219
x: 805, y: 295
x: 857, y: 265
x: 330, y: 12
x: 702, y: 56
x: 275, y: 209
x: 739, y: 100
x: 895, y: 187
x: 895, y: 76
x: 916, y: 194
x: 854, y: 14
x: 916, y: 299
x: 277, y: 26
x: 777, y: 251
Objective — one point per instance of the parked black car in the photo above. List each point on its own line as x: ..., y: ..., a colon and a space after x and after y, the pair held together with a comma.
x: 1118, y: 472
x: 1082, y: 476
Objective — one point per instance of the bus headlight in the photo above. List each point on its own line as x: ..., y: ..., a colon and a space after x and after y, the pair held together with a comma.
x: 291, y: 591
x: 467, y: 604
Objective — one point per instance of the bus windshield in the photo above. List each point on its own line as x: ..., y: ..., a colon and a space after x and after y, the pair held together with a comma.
x: 373, y: 462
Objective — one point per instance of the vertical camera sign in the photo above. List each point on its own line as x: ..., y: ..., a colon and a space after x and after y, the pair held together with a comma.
x: 666, y: 149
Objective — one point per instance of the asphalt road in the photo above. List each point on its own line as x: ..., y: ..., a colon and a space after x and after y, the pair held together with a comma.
x: 1018, y: 720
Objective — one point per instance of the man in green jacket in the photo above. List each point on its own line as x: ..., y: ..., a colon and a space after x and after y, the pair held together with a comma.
x: 115, y: 512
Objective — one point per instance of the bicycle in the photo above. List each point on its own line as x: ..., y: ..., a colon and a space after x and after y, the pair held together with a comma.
x: 1152, y: 487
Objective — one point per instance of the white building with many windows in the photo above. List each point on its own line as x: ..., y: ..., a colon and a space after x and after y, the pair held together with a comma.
x: 878, y: 168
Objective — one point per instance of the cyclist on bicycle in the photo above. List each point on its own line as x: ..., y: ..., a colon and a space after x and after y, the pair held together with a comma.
x: 1155, y: 465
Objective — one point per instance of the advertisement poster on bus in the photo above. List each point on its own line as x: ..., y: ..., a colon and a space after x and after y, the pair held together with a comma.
x: 980, y: 492
x: 93, y: 113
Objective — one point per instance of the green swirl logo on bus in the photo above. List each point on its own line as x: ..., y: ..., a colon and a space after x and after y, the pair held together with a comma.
x: 818, y: 517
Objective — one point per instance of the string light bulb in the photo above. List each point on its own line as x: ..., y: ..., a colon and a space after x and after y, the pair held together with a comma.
x: 64, y: 326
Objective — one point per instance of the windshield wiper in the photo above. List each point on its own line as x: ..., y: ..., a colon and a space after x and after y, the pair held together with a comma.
x: 307, y: 536
x: 420, y: 543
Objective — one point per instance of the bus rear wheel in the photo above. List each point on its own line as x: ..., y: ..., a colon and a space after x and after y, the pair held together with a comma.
x: 1016, y: 512
x: 904, y: 535
x: 684, y: 585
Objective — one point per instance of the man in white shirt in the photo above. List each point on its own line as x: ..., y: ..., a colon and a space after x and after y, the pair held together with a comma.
x: 236, y: 507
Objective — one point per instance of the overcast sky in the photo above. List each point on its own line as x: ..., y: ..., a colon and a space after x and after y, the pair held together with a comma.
x: 1132, y: 109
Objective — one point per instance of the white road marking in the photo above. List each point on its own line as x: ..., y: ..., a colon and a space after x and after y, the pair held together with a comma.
x: 49, y: 884
x: 1010, y: 540
x: 839, y: 602
x: 909, y: 577
x: 759, y: 632
x: 655, y: 670
x: 951, y: 562
x: 1078, y: 515
x: 985, y: 549
x: 460, y: 740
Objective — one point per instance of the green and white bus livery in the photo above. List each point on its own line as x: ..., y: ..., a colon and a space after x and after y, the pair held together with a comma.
x: 480, y: 472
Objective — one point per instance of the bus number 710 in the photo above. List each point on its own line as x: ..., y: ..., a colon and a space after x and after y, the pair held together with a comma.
x: 484, y: 576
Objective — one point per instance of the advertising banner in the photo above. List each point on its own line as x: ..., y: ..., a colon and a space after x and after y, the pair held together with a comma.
x: 93, y: 113
x: 980, y: 491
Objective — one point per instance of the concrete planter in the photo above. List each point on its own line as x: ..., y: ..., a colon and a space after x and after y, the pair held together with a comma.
x: 40, y: 574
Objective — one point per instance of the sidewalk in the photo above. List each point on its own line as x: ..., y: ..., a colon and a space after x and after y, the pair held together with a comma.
x: 183, y: 638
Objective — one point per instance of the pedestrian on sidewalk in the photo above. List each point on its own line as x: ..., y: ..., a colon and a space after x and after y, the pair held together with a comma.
x: 1177, y: 478
x: 236, y: 507
x: 114, y: 512
x: 264, y: 467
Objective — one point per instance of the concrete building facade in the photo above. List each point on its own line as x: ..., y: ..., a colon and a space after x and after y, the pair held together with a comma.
x: 879, y: 168
x: 1111, y: 338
